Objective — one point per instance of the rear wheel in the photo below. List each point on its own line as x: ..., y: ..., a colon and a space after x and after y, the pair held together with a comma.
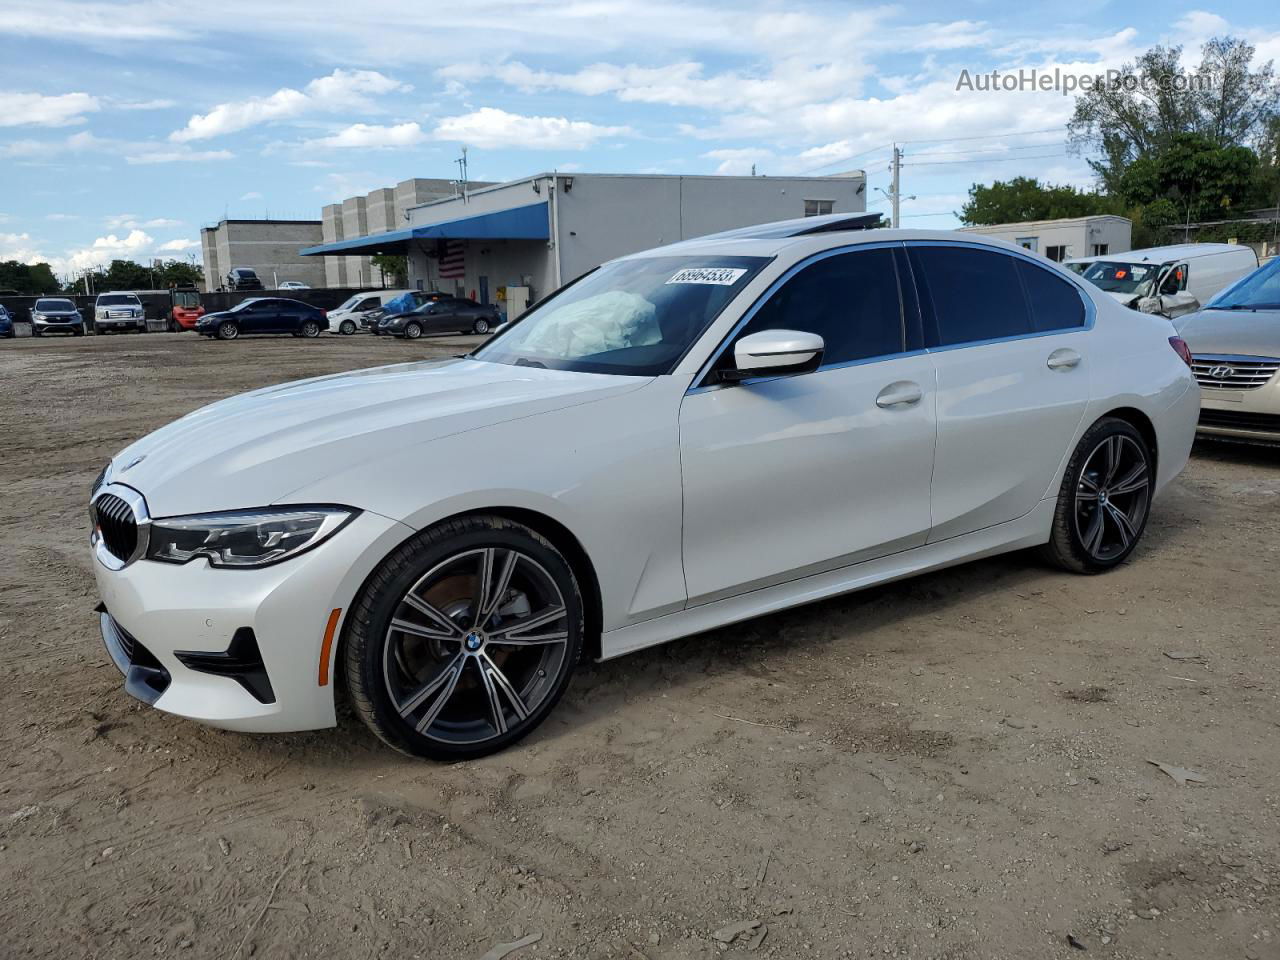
x: 228, y: 330
x: 311, y: 329
x: 413, y: 331
x: 481, y: 326
x: 347, y: 327
x: 1105, y: 499
x: 464, y: 638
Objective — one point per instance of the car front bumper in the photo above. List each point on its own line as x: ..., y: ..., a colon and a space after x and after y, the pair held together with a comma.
x: 187, y: 636
x: 1252, y: 414
x: 58, y: 326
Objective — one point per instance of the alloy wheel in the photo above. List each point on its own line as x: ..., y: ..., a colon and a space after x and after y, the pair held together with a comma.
x: 228, y: 331
x: 1112, y: 496
x: 311, y: 329
x: 475, y: 646
x: 482, y: 326
x: 413, y: 331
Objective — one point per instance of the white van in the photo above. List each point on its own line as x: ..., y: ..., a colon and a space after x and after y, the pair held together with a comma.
x: 346, y: 317
x: 1171, y: 281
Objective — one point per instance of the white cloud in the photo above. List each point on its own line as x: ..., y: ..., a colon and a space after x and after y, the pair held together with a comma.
x: 177, y: 246
x: 132, y: 152
x: 20, y: 247
x: 491, y: 128
x: 143, y: 104
x: 61, y: 217
x: 369, y: 136
x: 130, y: 221
x: 149, y: 156
x: 252, y: 195
x: 36, y: 109
x: 340, y: 90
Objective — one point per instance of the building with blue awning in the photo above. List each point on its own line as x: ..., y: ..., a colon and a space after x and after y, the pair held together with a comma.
x: 515, y: 242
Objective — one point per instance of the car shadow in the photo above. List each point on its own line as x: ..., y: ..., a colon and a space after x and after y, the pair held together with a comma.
x: 1242, y: 452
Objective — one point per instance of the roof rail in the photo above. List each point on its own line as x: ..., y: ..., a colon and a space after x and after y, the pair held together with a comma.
x: 801, y: 226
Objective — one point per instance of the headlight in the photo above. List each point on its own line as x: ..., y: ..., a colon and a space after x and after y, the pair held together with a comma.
x: 245, y: 538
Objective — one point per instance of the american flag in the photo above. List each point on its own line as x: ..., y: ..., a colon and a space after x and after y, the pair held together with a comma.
x: 452, y: 260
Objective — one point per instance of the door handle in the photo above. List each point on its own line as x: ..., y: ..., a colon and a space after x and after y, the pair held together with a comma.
x: 1063, y: 359
x: 900, y: 394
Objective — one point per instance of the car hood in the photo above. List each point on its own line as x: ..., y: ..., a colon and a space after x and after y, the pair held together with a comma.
x: 1245, y: 333
x: 256, y: 448
x: 1124, y: 299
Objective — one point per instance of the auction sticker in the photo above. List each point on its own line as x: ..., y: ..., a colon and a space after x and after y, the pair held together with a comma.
x: 721, y: 276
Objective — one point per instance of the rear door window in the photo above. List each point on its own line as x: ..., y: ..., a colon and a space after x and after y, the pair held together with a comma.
x: 969, y: 295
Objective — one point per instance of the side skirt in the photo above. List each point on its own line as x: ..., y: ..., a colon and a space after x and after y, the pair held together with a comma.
x: 1027, y: 531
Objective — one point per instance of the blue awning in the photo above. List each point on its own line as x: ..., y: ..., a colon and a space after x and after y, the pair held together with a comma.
x: 519, y: 223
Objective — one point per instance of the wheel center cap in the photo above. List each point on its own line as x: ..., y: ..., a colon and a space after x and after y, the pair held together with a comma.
x: 1102, y: 496
x: 473, y: 641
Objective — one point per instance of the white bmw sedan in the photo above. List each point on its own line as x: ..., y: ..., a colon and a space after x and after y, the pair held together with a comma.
x: 680, y: 439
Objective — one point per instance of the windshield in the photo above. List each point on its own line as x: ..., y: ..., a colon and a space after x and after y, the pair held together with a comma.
x: 117, y: 299
x: 1116, y: 277
x: 1258, y: 290
x: 186, y: 298
x: 244, y: 305
x: 632, y: 317
x: 1076, y: 268
x: 55, y: 305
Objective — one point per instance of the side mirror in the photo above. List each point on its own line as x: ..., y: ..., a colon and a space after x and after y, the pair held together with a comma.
x: 772, y: 353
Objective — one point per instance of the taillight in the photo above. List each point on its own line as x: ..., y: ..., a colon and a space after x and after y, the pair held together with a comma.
x: 1181, y: 349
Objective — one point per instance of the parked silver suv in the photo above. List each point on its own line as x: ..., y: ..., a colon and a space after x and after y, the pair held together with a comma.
x: 118, y: 311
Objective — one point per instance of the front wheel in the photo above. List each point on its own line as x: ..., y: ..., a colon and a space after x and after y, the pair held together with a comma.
x: 311, y: 329
x: 228, y: 330
x: 347, y: 327
x: 464, y: 638
x: 1105, y: 499
x: 413, y: 331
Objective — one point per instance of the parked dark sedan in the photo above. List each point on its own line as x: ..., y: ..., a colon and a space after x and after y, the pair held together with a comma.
x: 264, y: 315
x: 56, y: 315
x: 6, y: 323
x: 404, y: 303
x: 446, y: 315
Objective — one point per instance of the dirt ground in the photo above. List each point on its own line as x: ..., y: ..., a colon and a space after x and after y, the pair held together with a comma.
x: 950, y: 767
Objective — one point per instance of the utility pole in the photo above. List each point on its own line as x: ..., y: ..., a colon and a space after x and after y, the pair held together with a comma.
x: 462, y: 173
x: 896, y: 191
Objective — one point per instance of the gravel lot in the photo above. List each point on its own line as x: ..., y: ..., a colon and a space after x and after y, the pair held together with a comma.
x: 951, y: 767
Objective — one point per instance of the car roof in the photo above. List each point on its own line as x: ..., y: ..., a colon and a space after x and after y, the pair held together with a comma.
x: 760, y: 244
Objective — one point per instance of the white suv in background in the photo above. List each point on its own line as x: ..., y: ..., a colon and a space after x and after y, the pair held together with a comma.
x: 118, y: 311
x: 346, y: 317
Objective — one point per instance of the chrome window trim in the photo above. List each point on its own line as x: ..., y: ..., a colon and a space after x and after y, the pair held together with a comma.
x: 141, y: 518
x: 1090, y: 309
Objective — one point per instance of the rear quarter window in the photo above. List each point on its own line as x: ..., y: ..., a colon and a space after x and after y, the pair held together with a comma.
x: 1055, y: 303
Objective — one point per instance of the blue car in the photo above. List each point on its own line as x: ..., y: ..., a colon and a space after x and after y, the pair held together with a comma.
x: 6, y: 323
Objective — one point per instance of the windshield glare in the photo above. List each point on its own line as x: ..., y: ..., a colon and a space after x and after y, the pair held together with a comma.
x: 632, y: 317
x: 116, y: 299
x: 1116, y: 277
x: 1258, y: 290
x: 55, y: 305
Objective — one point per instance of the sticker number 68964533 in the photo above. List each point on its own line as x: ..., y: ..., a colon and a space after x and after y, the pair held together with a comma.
x: 720, y: 276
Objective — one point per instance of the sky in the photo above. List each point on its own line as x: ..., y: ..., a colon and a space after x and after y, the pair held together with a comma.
x: 125, y: 127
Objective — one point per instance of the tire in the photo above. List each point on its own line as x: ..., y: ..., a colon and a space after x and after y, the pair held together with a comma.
x: 458, y: 684
x: 310, y: 329
x: 481, y: 326
x: 35, y: 331
x: 228, y: 330
x: 347, y: 327
x: 1105, y: 499
x: 412, y: 331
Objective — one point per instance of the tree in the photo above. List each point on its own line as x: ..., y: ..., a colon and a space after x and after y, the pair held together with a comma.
x: 1195, y: 175
x: 1227, y: 101
x: 394, y: 268
x: 28, y: 278
x: 1026, y: 198
x: 157, y: 275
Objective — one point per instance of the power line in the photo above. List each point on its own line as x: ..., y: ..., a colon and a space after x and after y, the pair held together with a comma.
x: 943, y: 163
x: 986, y: 136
